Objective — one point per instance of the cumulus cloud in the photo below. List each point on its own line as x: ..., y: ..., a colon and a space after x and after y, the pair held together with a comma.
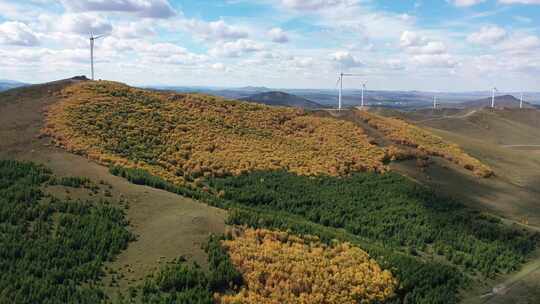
x: 435, y: 61
x: 410, y: 39
x: 216, y: 30
x: 520, y: 1
x: 417, y: 44
x: 278, y: 35
x: 313, y: 4
x: 167, y: 53
x: 487, y: 35
x: 520, y: 43
x: 465, y: 3
x: 499, y: 39
x: 426, y: 52
x: 143, y: 8
x: 83, y: 24
x: 236, y: 48
x: 133, y: 30
x: 345, y: 59
x: 218, y: 67
x: 17, y: 33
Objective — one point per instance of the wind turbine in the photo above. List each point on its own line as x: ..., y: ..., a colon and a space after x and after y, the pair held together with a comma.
x: 92, y: 39
x: 434, y: 102
x: 340, y: 81
x: 493, y: 97
x: 521, y: 101
x: 363, y: 88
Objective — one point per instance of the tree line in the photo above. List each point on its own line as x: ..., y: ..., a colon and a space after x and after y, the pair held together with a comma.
x: 52, y: 250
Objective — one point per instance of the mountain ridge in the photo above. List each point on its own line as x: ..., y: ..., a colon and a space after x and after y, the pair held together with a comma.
x: 278, y: 98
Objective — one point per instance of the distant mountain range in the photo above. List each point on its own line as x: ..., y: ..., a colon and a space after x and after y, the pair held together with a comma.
x: 352, y: 97
x: 276, y: 98
x: 504, y: 101
x: 10, y: 84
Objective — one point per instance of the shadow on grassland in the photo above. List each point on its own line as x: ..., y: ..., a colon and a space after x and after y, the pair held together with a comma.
x: 496, y: 194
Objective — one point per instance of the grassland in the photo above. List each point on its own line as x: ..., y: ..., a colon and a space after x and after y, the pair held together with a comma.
x: 407, y: 134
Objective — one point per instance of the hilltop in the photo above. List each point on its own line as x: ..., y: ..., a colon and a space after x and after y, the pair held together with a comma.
x: 504, y: 101
x: 276, y: 98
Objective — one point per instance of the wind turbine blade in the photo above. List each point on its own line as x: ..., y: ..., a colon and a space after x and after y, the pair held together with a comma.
x: 100, y: 36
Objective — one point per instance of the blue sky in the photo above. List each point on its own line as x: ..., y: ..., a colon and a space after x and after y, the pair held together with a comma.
x: 437, y: 45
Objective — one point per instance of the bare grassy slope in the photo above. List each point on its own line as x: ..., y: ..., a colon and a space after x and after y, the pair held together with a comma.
x: 167, y: 225
x: 489, y: 135
x: 507, y: 140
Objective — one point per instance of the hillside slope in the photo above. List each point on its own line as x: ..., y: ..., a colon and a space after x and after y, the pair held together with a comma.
x: 166, y: 225
x: 271, y: 168
x: 504, y: 101
x: 508, y: 140
x: 10, y: 84
x: 182, y: 137
x: 282, y: 99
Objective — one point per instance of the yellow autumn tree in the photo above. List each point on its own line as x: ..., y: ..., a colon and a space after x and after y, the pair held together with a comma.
x: 279, y: 267
x: 404, y: 133
x: 182, y: 137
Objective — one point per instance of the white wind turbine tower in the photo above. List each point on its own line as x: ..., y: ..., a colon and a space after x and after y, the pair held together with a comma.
x: 340, y: 81
x: 92, y: 39
x: 363, y: 88
x: 434, y: 102
x: 493, y: 97
x: 521, y: 101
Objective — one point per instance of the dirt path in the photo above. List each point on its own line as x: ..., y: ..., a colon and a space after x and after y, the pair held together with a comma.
x: 167, y: 225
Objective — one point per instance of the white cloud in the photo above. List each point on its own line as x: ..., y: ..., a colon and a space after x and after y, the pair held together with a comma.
x: 411, y: 39
x: 487, y: 35
x: 137, y: 29
x: 218, y: 67
x: 143, y: 8
x: 17, y: 33
x: 426, y: 52
x: 312, y: 4
x: 345, y: 59
x: 393, y: 64
x: 435, y: 61
x: 236, y: 48
x: 520, y: 43
x: 465, y: 3
x: 304, y: 62
x: 278, y: 35
x: 216, y: 30
x: 416, y: 44
x: 82, y: 23
x: 520, y: 1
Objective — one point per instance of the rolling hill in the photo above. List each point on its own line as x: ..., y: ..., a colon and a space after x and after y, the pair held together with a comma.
x: 282, y: 99
x: 504, y: 101
x: 10, y: 84
x: 343, y: 183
